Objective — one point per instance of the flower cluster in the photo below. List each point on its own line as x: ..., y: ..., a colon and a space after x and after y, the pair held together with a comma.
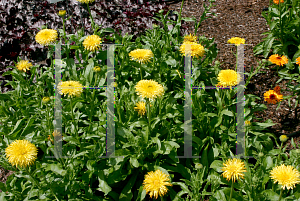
x: 228, y: 78
x: 141, y: 55
x: 23, y: 65
x: 236, y: 40
x: 278, y: 60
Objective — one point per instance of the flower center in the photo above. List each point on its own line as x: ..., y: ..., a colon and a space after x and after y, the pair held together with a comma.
x: 156, y: 182
x: 272, y: 96
x: 279, y: 58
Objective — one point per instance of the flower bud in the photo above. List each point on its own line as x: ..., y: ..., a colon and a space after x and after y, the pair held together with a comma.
x: 62, y: 13
x: 283, y: 138
x: 97, y: 69
x: 198, y: 165
x: 298, y: 151
x: 46, y: 100
x: 260, y: 154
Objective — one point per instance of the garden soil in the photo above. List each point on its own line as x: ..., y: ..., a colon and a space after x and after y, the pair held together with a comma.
x: 239, y: 18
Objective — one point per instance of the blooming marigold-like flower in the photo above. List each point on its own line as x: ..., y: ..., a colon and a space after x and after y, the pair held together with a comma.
x: 278, y: 60
x: 45, y: 99
x: 92, y: 43
x: 97, y: 69
x: 236, y: 40
x: 272, y: 97
x: 141, y: 108
x: 141, y: 55
x: 228, y: 78
x: 86, y: 1
x: 190, y: 38
x: 233, y: 169
x: 62, y: 13
x: 21, y: 153
x: 46, y: 36
x: 286, y: 176
x: 283, y: 138
x: 23, y: 65
x: 149, y: 89
x: 277, y: 1
x: 72, y: 88
x: 155, y: 183
x: 277, y: 89
x: 298, y: 61
x: 196, y: 50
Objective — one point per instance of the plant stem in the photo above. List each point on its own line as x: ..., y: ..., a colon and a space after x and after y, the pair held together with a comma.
x: 73, y: 118
x: 64, y: 28
x: 231, y: 191
x: 149, y: 119
x: 280, y: 23
x: 48, y: 119
x: 179, y: 20
x: 141, y: 71
x: 280, y: 194
x: 93, y: 23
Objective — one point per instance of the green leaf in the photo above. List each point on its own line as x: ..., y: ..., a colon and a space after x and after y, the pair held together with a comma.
x: 217, y: 165
x: 268, y: 162
x: 269, y: 43
x: 56, y: 168
x: 134, y: 162
x: 227, y: 112
x: 271, y: 194
x: 18, y: 126
x: 103, y: 186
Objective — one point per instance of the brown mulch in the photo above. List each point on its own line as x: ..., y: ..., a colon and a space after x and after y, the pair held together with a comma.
x: 241, y: 19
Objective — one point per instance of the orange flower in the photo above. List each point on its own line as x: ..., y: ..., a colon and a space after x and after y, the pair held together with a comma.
x: 277, y: 90
x: 298, y: 61
x: 277, y: 1
x: 272, y: 97
x: 278, y: 60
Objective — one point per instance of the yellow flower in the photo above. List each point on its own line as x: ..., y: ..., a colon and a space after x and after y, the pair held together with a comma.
x: 236, y: 40
x: 283, y: 138
x: 197, y: 50
x: 155, y: 183
x: 278, y: 60
x: 298, y: 61
x: 23, y: 65
x: 228, y: 78
x: 277, y: 1
x: 62, y: 13
x: 141, y: 107
x: 72, y: 88
x: 272, y: 97
x: 141, y: 55
x: 46, y: 36
x: 248, y: 123
x: 46, y: 100
x: 233, y: 169
x: 86, y: 1
x: 92, y: 42
x: 21, y: 153
x: 149, y: 89
x: 286, y: 176
x: 97, y: 69
x: 190, y: 38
